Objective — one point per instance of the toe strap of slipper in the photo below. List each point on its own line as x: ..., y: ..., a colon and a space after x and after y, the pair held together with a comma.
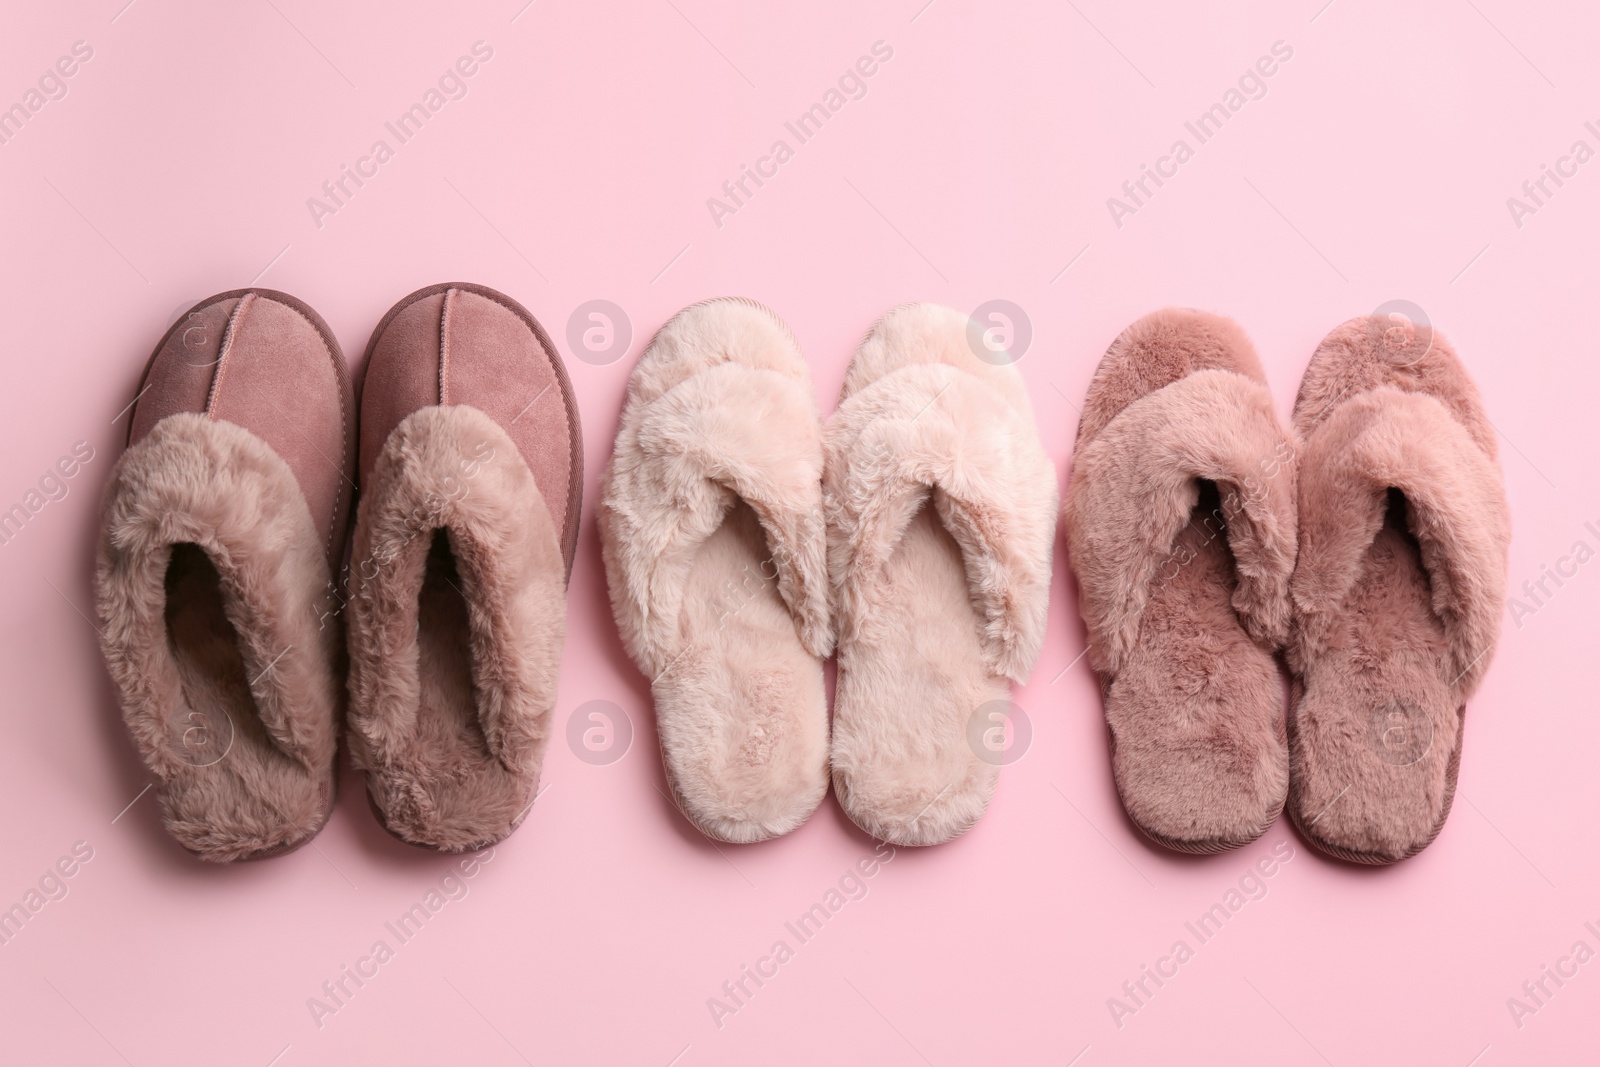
x: 935, y: 430
x: 731, y: 432
x: 1134, y: 488
x: 1390, y: 438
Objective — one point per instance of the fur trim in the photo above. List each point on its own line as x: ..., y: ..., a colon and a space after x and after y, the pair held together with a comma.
x: 717, y: 464
x: 208, y: 483
x: 453, y: 750
x: 1134, y: 488
x: 931, y: 430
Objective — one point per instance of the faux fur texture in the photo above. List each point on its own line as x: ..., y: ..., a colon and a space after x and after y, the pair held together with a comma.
x: 941, y: 516
x: 712, y: 533
x: 1398, y: 589
x: 1180, y: 524
x: 209, y: 582
x: 455, y: 626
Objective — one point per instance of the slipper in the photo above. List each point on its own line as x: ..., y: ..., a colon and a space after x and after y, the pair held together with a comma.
x: 941, y: 512
x: 471, y: 482
x: 1180, y: 522
x: 1404, y: 532
x: 711, y: 528
x: 221, y: 528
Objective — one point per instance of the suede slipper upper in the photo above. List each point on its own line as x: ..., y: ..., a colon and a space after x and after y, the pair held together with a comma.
x: 471, y: 466
x: 712, y: 532
x: 941, y: 512
x: 220, y: 528
x: 1180, y: 526
x: 1404, y: 532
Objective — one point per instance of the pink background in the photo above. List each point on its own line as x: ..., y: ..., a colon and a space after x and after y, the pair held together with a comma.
x: 1376, y: 167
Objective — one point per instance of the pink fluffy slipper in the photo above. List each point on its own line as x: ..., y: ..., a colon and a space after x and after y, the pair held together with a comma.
x: 471, y: 475
x: 1398, y: 589
x: 941, y: 520
x: 1180, y: 522
x: 711, y: 527
x: 221, y: 527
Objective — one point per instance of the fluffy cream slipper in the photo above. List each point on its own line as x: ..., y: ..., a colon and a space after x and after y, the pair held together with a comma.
x: 711, y: 525
x: 941, y: 520
x: 471, y: 467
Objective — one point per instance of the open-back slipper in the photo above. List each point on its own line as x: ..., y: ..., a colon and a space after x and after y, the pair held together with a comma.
x: 711, y: 528
x: 221, y: 528
x: 471, y: 482
x: 941, y: 521
x: 1399, y: 586
x: 1180, y: 523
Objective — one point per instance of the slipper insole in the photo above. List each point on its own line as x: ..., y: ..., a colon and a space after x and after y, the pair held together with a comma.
x: 904, y: 764
x: 1196, y: 716
x: 1377, y: 730
x: 742, y: 711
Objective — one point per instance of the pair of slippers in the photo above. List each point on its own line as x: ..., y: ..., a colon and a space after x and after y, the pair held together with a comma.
x: 743, y: 542
x: 1369, y: 544
x: 224, y: 529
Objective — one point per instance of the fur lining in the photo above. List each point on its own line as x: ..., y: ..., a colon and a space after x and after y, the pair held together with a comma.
x: 209, y: 483
x: 1134, y: 488
x: 930, y: 429
x: 453, y: 767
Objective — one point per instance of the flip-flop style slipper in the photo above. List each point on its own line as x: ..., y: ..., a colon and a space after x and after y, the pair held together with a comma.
x: 471, y: 482
x: 711, y: 528
x: 221, y: 528
x: 1404, y: 530
x: 1180, y: 521
x: 941, y: 520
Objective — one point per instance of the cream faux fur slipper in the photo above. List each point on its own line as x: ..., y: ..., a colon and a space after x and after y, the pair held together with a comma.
x: 941, y: 512
x: 221, y: 527
x: 1398, y: 590
x: 711, y: 527
x: 471, y: 481
x: 1180, y: 522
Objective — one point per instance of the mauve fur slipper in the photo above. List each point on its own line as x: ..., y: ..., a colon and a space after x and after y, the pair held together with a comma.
x: 471, y: 481
x: 711, y: 527
x: 221, y: 528
x: 941, y: 520
x: 1404, y: 531
x: 1180, y: 523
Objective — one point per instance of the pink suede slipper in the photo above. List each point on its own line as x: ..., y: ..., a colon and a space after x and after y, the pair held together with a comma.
x: 471, y: 478
x: 220, y: 530
x: 1398, y: 589
x: 711, y: 527
x: 941, y: 520
x: 1180, y: 523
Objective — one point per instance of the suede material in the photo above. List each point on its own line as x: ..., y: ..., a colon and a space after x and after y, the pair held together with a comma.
x: 276, y: 377
x: 1180, y: 521
x: 402, y: 374
x: 712, y: 533
x: 456, y: 621
x: 210, y: 587
x: 1398, y: 588
x: 180, y: 372
x: 941, y: 510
